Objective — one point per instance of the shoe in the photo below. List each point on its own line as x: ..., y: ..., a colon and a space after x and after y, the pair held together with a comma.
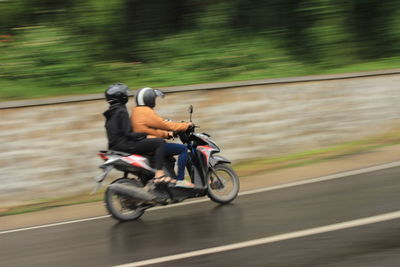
x: 184, y: 184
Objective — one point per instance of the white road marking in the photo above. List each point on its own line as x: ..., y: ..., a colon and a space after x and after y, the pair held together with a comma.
x: 265, y: 189
x: 270, y: 239
x: 324, y: 178
x: 53, y: 224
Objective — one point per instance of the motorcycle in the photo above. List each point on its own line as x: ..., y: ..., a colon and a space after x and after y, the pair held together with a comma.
x: 127, y: 198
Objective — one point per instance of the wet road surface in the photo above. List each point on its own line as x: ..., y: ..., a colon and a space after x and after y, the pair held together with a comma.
x: 205, y: 225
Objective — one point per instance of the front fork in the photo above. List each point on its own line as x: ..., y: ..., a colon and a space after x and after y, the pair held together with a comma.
x: 200, y: 173
x: 215, y: 181
x: 218, y: 182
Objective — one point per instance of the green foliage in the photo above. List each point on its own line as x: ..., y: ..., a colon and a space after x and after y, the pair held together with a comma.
x: 53, y: 47
x: 45, y: 61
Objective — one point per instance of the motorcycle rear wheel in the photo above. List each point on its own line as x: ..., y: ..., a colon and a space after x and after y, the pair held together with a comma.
x: 223, y: 184
x: 121, y: 207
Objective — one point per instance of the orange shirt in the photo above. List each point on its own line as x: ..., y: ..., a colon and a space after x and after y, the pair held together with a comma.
x: 145, y: 120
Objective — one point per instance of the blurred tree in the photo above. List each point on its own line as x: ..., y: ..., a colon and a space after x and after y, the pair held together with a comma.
x: 117, y: 27
x: 307, y: 28
x: 369, y: 21
x: 17, y: 13
x: 287, y: 20
x: 13, y: 14
x: 365, y: 24
x: 330, y: 43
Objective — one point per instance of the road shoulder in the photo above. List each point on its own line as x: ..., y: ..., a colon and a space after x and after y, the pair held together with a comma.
x: 333, y: 166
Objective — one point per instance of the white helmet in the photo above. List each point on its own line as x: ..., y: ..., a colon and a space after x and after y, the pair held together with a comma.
x: 147, y: 96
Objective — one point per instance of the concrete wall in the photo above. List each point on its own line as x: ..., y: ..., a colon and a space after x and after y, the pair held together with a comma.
x: 50, y: 151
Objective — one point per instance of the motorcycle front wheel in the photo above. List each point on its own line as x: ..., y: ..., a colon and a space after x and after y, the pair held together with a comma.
x: 121, y: 207
x: 223, y: 184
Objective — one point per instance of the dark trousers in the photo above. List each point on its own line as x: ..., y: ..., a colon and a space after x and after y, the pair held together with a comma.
x: 178, y: 149
x: 150, y: 145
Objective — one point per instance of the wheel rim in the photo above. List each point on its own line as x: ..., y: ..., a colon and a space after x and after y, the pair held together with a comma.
x: 222, y: 184
x: 123, y: 207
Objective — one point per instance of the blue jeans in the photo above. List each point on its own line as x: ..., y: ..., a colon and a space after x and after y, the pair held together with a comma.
x: 172, y: 149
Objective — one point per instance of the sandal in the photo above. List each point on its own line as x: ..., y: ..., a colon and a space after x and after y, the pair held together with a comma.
x: 164, y: 179
x: 184, y: 184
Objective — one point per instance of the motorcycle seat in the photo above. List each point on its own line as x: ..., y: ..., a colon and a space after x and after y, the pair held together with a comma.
x: 114, y: 152
x: 124, y: 154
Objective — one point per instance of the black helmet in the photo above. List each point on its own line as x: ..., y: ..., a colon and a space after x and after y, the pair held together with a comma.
x: 117, y: 93
x: 147, y: 97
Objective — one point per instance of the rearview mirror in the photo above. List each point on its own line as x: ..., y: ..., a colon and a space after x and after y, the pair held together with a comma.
x: 190, y: 111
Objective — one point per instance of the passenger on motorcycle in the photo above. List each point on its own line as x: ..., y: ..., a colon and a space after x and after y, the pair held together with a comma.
x: 146, y: 120
x: 122, y: 138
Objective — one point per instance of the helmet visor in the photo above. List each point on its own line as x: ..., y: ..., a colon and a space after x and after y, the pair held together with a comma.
x: 131, y: 92
x: 159, y: 93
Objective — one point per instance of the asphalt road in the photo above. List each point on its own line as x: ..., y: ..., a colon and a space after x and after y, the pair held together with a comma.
x: 204, y: 225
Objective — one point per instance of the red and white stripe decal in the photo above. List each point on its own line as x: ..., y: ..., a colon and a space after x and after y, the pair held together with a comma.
x: 138, y: 161
x: 206, y: 150
x: 103, y: 156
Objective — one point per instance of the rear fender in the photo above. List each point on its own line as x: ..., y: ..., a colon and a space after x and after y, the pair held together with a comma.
x: 100, y: 178
x: 110, y: 161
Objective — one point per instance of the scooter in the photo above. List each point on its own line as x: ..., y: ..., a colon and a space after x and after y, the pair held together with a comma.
x: 127, y: 198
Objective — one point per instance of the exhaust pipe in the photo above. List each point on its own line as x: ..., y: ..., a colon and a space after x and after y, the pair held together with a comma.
x: 131, y: 191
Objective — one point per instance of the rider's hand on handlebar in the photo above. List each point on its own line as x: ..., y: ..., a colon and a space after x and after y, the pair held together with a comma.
x: 191, y: 127
x: 170, y: 135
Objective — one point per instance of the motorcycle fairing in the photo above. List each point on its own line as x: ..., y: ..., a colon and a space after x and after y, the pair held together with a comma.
x: 207, y: 151
x: 207, y: 140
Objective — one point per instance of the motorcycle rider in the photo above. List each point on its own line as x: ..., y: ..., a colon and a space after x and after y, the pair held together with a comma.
x: 146, y: 120
x: 122, y: 138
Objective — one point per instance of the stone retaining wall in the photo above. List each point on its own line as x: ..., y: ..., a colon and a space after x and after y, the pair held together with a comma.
x: 50, y: 151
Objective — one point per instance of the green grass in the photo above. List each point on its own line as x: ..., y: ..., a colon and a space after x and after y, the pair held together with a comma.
x: 260, y: 166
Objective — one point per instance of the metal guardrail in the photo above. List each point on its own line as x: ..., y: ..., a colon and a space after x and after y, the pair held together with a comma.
x: 196, y: 87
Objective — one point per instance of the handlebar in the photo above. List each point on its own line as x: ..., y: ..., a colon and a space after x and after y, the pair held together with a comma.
x: 184, y: 135
x: 189, y: 130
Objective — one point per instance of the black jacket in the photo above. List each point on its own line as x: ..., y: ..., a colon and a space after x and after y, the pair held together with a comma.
x: 119, y: 129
